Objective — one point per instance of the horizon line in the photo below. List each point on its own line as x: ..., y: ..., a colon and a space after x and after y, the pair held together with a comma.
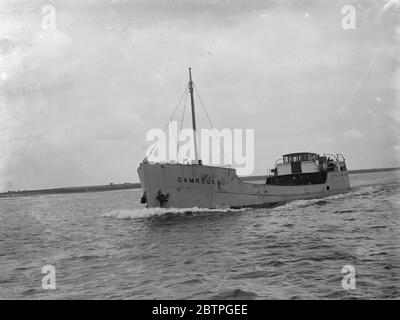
x: 136, y: 185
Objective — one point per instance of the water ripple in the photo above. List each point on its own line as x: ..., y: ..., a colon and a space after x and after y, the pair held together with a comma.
x: 107, y: 246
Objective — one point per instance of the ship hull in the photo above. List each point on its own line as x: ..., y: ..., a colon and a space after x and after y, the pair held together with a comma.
x: 187, y: 186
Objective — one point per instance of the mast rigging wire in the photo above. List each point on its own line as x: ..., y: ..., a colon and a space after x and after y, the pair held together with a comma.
x: 209, y: 120
x: 185, y: 94
x: 173, y: 114
x: 180, y: 129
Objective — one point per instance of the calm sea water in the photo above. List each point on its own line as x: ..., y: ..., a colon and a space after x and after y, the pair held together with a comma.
x: 106, y: 245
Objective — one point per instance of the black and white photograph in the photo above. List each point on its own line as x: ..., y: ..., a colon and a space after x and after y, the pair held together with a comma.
x: 199, y: 150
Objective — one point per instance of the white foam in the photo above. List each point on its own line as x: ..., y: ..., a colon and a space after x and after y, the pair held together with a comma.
x: 146, y: 213
x: 364, y: 190
x: 296, y: 203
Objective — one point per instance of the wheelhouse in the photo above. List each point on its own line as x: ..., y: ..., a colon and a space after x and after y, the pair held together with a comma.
x: 305, y: 168
x: 299, y: 157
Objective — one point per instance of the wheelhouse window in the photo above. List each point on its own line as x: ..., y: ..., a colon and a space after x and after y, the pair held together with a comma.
x: 299, y: 157
x: 285, y: 159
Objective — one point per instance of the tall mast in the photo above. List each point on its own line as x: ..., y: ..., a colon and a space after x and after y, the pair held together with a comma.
x: 196, y: 155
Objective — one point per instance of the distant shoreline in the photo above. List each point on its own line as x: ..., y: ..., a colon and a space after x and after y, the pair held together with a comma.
x: 126, y: 186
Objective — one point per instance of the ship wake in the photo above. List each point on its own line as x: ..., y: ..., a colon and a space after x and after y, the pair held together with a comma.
x: 358, y: 192
x: 153, y: 212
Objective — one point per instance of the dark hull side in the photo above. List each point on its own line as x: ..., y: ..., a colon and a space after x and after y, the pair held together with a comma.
x: 298, y: 179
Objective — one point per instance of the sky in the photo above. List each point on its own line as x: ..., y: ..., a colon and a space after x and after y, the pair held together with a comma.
x: 77, y: 99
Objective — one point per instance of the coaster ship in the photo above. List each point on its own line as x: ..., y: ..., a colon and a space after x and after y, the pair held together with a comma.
x: 296, y: 176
